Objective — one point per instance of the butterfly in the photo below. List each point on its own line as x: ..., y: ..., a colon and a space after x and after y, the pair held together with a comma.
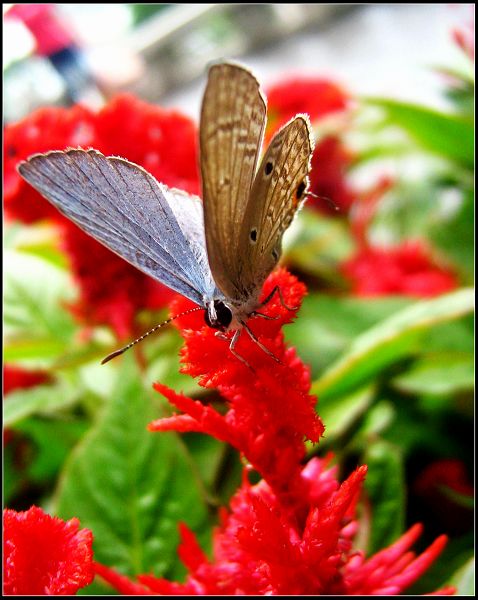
x: 219, y: 251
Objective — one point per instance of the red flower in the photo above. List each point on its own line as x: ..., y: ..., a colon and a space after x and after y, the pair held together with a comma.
x: 264, y: 546
x: 292, y: 532
x: 44, y: 555
x: 44, y: 129
x: 407, y: 269
x: 15, y: 378
x: 315, y: 96
x: 330, y: 162
x: 318, y: 98
x: 164, y: 142
x: 270, y: 409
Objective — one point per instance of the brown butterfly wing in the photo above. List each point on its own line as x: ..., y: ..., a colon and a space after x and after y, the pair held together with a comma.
x: 232, y: 124
x: 279, y: 189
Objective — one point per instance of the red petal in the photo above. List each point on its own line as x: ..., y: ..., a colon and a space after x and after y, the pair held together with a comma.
x: 44, y: 555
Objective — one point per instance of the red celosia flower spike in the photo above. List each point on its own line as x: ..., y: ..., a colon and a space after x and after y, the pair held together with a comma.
x: 44, y: 555
x: 391, y: 571
x: 16, y: 378
x: 330, y: 162
x: 407, y: 269
x: 270, y: 409
x: 164, y: 142
x: 121, y: 583
x: 43, y: 130
x: 315, y: 96
x: 264, y: 546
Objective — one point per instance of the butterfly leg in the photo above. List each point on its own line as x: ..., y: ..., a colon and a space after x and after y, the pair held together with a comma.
x: 220, y: 335
x: 255, y: 313
x: 261, y: 346
x: 232, y: 345
x: 279, y: 291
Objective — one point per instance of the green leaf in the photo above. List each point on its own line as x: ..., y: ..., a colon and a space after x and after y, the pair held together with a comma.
x: 131, y: 487
x: 340, y: 414
x: 389, y: 341
x: 464, y: 579
x: 53, y: 440
x: 377, y: 420
x: 447, y: 135
x: 385, y: 484
x: 41, y: 399
x: 36, y: 325
x: 316, y: 244
x: 327, y: 324
x: 12, y: 483
x: 455, y: 237
x: 441, y: 374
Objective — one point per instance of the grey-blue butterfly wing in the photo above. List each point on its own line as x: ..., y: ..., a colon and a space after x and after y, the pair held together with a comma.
x: 123, y: 207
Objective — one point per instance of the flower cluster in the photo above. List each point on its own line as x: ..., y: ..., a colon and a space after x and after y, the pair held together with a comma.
x: 43, y: 555
x: 291, y: 533
x: 315, y: 96
x: 407, y: 269
x: 111, y: 291
x: 268, y: 432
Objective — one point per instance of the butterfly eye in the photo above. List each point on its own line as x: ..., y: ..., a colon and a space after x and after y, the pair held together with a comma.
x: 268, y: 168
x: 218, y: 316
x: 253, y: 235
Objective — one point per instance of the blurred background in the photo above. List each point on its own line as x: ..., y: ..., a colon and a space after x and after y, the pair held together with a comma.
x: 160, y: 51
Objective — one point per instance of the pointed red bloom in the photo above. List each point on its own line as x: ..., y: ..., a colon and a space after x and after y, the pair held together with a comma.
x: 315, y: 96
x: 270, y: 410
x: 15, y: 378
x: 43, y: 130
x: 292, y: 533
x: 264, y: 546
x: 44, y: 555
x: 164, y: 142
x: 391, y: 571
x: 407, y: 269
x: 330, y: 162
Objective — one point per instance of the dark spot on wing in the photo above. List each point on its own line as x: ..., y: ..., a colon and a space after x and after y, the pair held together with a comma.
x: 300, y: 190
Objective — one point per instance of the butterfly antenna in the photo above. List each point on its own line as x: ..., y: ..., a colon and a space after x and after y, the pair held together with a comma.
x: 329, y: 201
x: 140, y: 339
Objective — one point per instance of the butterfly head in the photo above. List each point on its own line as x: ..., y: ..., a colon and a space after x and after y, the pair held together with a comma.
x: 218, y: 315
